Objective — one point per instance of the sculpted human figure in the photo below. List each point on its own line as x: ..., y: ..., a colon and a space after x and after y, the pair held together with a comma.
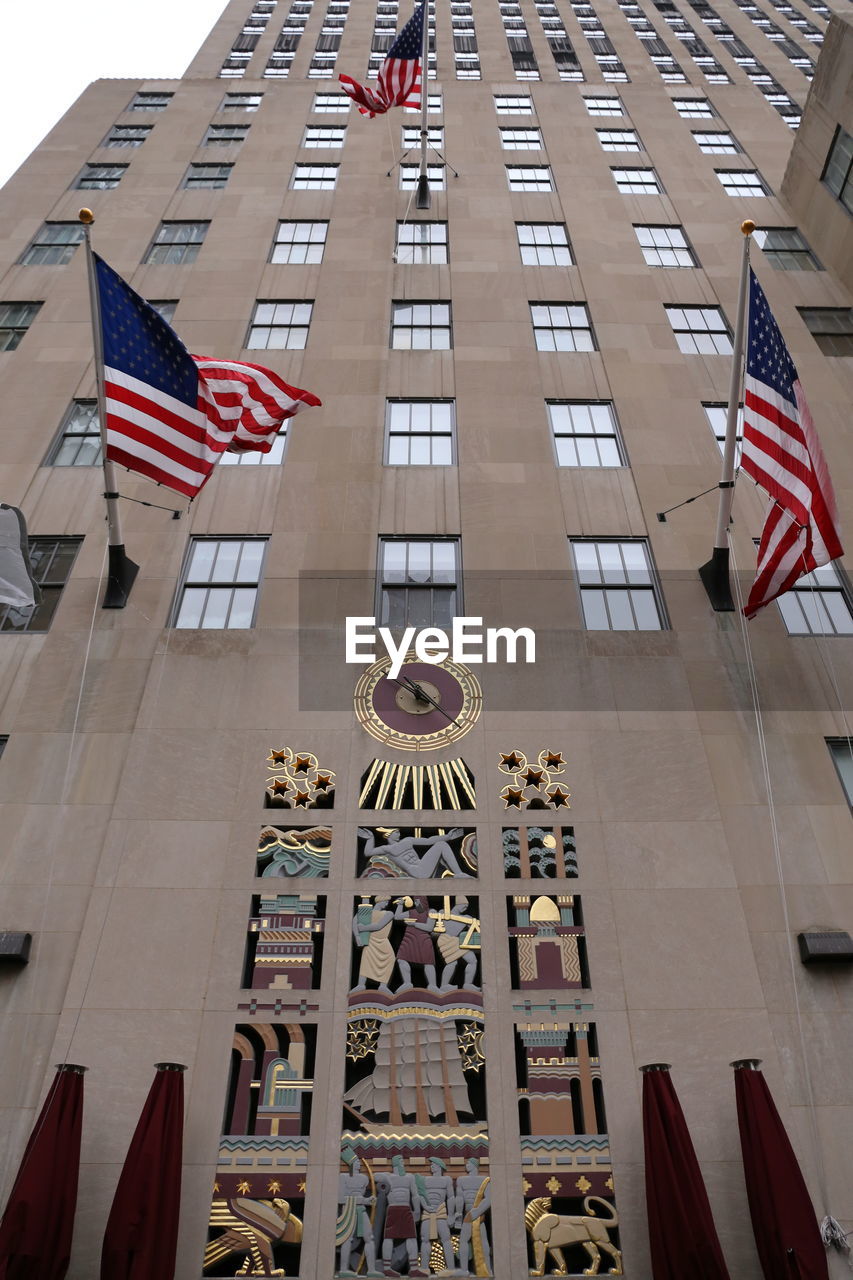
x: 456, y: 926
x: 370, y: 929
x: 471, y: 1208
x: 416, y: 945
x: 401, y: 1214
x: 438, y: 1202
x: 404, y: 852
x: 354, y: 1227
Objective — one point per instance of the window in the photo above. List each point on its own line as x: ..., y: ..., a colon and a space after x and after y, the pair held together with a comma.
x: 314, y: 177
x: 561, y: 326
x: 225, y: 135
x: 818, y: 604
x: 254, y: 458
x: 604, y: 106
x: 513, y: 104
x: 127, y: 135
x: 419, y: 433
x: 838, y: 171
x: 637, y: 182
x: 529, y: 177
x: 4, y: 741
x: 177, y: 242
x: 325, y: 136
x: 841, y: 750
x: 53, y: 245
x: 694, y: 108
x: 716, y: 144
x: 617, y: 586
x: 51, y: 560
x: 241, y: 102
x: 742, y: 182
x: 166, y: 309
x: 15, y: 319
x: 411, y: 136
x: 521, y: 139
x: 700, y: 330
x: 299, y: 242
x: 330, y: 103
x: 207, y: 176
x: 785, y: 249
x: 219, y: 587
x: 831, y: 328
x: 280, y: 326
x: 409, y: 176
x: 100, y: 177
x: 150, y: 102
x: 421, y: 242
x: 79, y: 440
x: 418, y: 582
x: 716, y: 415
x: 420, y: 326
x: 618, y: 140
x: 544, y: 244
x: 665, y: 246
x: 585, y: 433
x: 434, y: 105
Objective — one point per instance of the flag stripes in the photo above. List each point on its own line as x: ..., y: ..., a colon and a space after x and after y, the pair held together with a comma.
x: 399, y: 83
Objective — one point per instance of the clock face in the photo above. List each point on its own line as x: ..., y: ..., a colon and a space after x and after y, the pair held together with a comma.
x: 429, y: 705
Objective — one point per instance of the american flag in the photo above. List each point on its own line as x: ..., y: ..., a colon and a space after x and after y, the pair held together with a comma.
x: 399, y: 75
x: 169, y: 415
x: 782, y: 453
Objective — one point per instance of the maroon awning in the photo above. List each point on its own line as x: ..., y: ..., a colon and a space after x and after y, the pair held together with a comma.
x: 38, y: 1225
x: 783, y: 1218
x: 141, y: 1238
x: 682, y: 1236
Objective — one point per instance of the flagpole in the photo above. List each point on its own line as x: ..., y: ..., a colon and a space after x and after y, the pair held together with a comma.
x: 715, y: 572
x: 121, y: 571
x: 423, y: 198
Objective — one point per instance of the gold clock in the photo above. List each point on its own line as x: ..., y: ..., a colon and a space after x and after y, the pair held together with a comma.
x: 426, y: 706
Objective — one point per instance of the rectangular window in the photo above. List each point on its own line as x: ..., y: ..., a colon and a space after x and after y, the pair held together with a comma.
x: 716, y: 144
x: 177, y: 242
x: 207, y: 176
x: 717, y: 415
x: 411, y: 136
x: 785, y: 249
x: 241, y: 102
x: 610, y: 106
x: 743, y: 182
x: 586, y: 433
x: 838, y: 170
x: 559, y: 326
x: 419, y: 433
x: 544, y: 244
x: 841, y: 750
x: 220, y: 583
x: 617, y: 585
x: 127, y: 135
x: 409, y: 176
x: 419, y: 582
x: 423, y: 243
x: 79, y: 441
x: 330, y: 104
x: 15, y: 319
x: 225, y: 135
x: 53, y: 245
x: 51, y: 560
x: 299, y: 242
x: 150, y: 102
x: 420, y: 326
x: 818, y: 604
x: 165, y: 308
x: 700, y: 330
x: 637, y: 182
x: 100, y: 177
x: 434, y: 105
x: 619, y: 140
x: 254, y: 458
x: 831, y: 328
x: 325, y: 136
x: 694, y: 108
x: 665, y: 246
x: 279, y: 326
x: 529, y: 177
x: 521, y: 139
x: 513, y: 104
x: 314, y: 177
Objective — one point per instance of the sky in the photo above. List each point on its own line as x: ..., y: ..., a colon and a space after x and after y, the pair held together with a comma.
x: 54, y: 48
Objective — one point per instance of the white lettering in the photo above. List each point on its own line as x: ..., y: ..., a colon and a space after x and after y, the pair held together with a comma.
x: 396, y: 653
x: 460, y: 639
x: 431, y: 645
x: 511, y: 638
x: 354, y: 640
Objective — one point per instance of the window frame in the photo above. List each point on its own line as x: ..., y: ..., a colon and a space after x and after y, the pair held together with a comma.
x: 190, y: 248
x: 229, y: 102
x: 826, y: 339
x: 754, y: 190
x: 526, y: 183
x: 501, y: 111
x: 340, y: 106
x: 137, y: 104
x: 424, y: 246
x: 16, y: 331
x: 558, y: 435
x: 401, y: 304
x: 200, y: 176
x: 185, y: 582
x: 803, y: 251
x: 844, y: 184
x: 51, y: 590
x: 211, y: 138
x: 411, y: 435
x: 112, y: 140
x: 321, y: 135
x: 835, y: 746
x: 291, y: 244
x: 650, y: 588
x: 542, y: 246
x: 598, y: 99
x: 633, y: 146
x: 66, y: 247
x: 828, y: 582
x: 91, y: 433
x: 659, y: 249
x: 628, y: 183
x: 689, y: 310
x: 299, y: 178
x: 569, y: 328
x: 298, y: 330
x: 384, y: 582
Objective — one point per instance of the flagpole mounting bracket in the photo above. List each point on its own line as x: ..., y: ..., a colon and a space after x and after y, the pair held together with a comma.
x: 121, y: 576
x: 715, y: 579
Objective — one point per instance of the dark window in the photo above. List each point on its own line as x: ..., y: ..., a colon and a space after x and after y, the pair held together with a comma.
x: 51, y: 560
x: 15, y: 319
x: 831, y: 328
x: 785, y: 249
x: 841, y: 750
x: 838, y: 171
x: 54, y: 244
x: 150, y: 102
x: 100, y: 177
x: 177, y: 242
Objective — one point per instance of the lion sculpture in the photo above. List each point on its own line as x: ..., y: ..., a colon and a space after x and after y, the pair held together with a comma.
x: 552, y: 1232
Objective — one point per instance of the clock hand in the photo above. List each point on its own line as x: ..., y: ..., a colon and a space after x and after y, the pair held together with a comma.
x: 423, y: 696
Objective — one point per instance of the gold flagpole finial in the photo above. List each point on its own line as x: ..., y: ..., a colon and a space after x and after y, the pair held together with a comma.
x: 86, y: 217
x: 746, y: 227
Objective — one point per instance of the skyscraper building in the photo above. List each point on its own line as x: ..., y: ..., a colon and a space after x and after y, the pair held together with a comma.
x: 524, y: 387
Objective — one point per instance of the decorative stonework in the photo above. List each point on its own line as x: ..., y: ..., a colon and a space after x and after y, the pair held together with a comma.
x: 296, y: 781
x: 294, y: 851
x: 533, y: 786
x: 284, y: 949
x: 448, y: 786
x: 548, y: 947
x: 419, y: 853
x: 534, y: 853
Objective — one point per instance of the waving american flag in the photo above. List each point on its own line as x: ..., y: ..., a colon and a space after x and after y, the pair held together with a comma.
x: 400, y: 74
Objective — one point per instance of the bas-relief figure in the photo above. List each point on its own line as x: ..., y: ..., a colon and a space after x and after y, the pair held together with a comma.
x: 390, y: 852
x: 431, y: 934
x: 553, y: 1232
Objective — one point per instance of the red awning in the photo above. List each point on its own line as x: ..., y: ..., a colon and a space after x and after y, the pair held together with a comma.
x: 38, y: 1225
x: 783, y: 1218
x: 682, y: 1236
x: 141, y: 1238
